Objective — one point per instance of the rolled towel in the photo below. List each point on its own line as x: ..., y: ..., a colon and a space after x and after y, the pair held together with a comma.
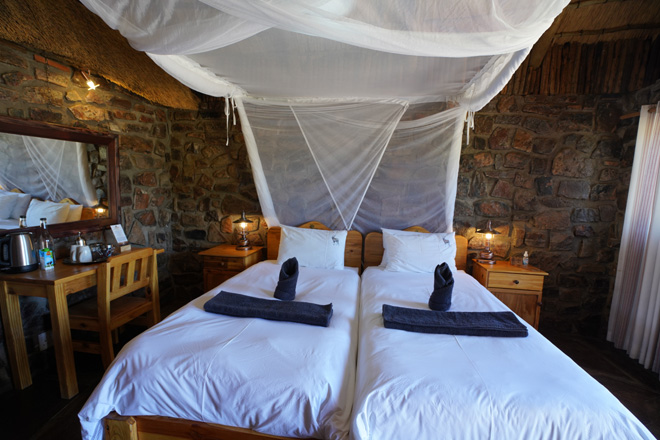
x: 502, y: 324
x: 235, y: 304
x: 286, y: 286
x: 443, y: 284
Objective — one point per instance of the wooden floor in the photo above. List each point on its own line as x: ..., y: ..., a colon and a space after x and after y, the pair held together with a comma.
x: 39, y: 413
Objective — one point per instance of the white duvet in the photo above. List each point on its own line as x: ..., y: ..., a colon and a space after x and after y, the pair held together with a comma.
x: 279, y: 378
x: 427, y: 386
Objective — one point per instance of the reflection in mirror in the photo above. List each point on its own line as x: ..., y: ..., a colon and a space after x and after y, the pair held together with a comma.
x: 64, y: 180
x: 67, y: 175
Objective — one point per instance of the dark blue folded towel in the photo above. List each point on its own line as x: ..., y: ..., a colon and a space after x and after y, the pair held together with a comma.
x: 286, y: 286
x: 443, y: 284
x: 234, y: 304
x: 503, y: 324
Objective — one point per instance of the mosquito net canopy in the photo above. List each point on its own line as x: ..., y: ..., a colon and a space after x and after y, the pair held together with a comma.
x: 352, y: 110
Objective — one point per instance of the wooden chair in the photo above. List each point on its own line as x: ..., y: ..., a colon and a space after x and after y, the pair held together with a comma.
x: 112, y: 308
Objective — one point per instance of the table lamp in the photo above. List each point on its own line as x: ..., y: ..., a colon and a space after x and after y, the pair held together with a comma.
x: 243, y: 243
x: 486, y: 256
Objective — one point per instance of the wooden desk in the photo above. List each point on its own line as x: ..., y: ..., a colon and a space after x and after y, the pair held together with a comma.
x: 55, y: 285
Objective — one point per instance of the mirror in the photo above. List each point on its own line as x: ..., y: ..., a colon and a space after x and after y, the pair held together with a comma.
x: 100, y: 143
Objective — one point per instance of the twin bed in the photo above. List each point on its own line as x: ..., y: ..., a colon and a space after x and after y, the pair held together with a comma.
x: 199, y: 374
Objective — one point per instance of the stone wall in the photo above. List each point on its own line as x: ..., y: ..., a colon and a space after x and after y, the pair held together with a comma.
x: 212, y: 185
x: 177, y: 176
x: 552, y: 174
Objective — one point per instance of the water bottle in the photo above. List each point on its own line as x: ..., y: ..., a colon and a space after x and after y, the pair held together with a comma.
x: 525, y: 261
x: 46, y: 249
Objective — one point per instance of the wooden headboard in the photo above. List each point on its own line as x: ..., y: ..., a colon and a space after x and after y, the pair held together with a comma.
x: 352, y: 254
x: 373, y: 248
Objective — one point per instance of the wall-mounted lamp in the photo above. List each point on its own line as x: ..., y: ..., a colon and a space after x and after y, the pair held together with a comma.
x: 243, y: 243
x: 486, y: 256
x: 88, y: 79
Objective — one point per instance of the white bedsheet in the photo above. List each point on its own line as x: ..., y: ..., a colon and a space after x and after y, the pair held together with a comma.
x: 428, y: 386
x: 279, y: 378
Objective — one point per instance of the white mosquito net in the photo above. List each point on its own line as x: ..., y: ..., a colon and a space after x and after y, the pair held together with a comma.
x: 327, y: 92
x: 48, y: 169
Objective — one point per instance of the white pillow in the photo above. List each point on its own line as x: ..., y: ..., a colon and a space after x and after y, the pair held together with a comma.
x: 53, y: 212
x: 313, y: 247
x: 418, y: 251
x: 75, y: 213
x: 22, y: 202
x: 7, y: 203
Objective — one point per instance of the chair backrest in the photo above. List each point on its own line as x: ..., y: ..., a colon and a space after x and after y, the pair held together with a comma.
x: 126, y: 273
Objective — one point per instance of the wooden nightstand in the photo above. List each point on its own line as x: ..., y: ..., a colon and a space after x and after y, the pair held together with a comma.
x: 519, y: 287
x: 224, y: 261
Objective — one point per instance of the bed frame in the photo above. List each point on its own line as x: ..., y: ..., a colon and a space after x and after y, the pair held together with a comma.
x: 373, y: 248
x: 165, y: 428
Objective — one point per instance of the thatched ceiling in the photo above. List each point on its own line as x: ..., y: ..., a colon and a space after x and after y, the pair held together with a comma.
x: 67, y: 29
x: 594, y: 21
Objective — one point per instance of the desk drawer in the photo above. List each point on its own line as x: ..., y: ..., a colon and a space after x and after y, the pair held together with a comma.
x: 517, y: 281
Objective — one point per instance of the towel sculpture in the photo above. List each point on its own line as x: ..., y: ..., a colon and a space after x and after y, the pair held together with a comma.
x: 438, y: 320
x: 243, y: 306
x: 443, y: 284
x: 286, y: 286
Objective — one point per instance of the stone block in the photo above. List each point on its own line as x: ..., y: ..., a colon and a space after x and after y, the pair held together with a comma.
x: 463, y: 209
x: 492, y: 208
x: 570, y: 163
x: 516, y: 160
x: 561, y: 241
x: 537, y: 125
x: 518, y: 235
x: 574, y: 189
x: 524, y: 200
x: 43, y: 115
x: 575, y: 122
x: 140, y: 200
x: 523, y: 181
x: 479, y: 186
x: 15, y: 78
x: 11, y: 58
x: 608, y: 149
x: 584, y: 231
x: 608, y: 174
x: 195, y: 234
x: 136, y: 144
x: 544, y: 186
x: 607, y: 116
x: 502, y: 190
x: 585, y: 215
x: 543, y: 146
x: 522, y: 140
x: 186, y: 205
x: 586, y: 249
x: 483, y: 124
x: 602, y: 192
x: 559, y: 219
x: 123, y: 114
x: 536, y: 238
x: 501, y: 138
x: 146, y: 218
x: 572, y: 280
x: 146, y: 179
x: 507, y: 104
x: 538, y: 166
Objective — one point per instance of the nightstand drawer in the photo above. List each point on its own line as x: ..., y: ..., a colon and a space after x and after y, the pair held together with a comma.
x: 226, y: 263
x: 517, y: 281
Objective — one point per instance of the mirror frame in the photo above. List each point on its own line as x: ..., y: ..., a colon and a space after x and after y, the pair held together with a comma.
x: 52, y: 131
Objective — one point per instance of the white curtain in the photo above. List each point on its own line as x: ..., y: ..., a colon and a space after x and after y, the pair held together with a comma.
x: 634, y: 323
x: 48, y: 169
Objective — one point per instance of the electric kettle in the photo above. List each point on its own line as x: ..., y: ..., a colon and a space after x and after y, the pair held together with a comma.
x: 17, y: 253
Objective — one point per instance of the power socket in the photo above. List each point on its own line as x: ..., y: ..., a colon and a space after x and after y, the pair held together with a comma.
x: 43, y: 341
